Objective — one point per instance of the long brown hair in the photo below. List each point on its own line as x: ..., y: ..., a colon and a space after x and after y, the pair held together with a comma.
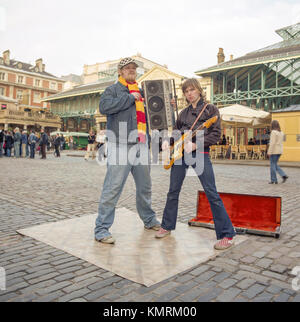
x: 275, y: 126
x: 193, y: 82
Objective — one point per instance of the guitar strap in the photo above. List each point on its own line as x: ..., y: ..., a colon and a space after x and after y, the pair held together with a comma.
x: 198, y: 117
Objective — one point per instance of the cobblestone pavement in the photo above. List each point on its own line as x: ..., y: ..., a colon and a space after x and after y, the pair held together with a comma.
x: 39, y: 191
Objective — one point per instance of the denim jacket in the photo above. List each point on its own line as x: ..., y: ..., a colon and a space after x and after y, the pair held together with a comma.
x: 119, y: 106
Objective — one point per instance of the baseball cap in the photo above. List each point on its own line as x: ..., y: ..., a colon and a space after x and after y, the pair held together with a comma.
x: 126, y: 61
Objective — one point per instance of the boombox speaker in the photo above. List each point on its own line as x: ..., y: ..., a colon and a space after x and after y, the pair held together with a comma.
x: 158, y: 95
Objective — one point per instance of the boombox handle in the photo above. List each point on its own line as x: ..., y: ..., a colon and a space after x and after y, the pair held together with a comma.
x: 175, y: 96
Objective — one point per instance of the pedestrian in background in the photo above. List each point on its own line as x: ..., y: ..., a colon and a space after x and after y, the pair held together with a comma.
x: 43, y: 143
x: 274, y: 152
x: 17, y: 142
x: 9, y: 143
x: 57, y: 145
x: 2, y: 138
x: 91, y: 146
x: 24, y: 141
x: 32, y: 140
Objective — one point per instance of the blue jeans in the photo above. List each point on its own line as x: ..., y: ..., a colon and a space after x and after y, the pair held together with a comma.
x: 17, y: 149
x: 223, y: 225
x: 114, y: 182
x: 32, y: 150
x: 274, y: 167
x: 1, y: 149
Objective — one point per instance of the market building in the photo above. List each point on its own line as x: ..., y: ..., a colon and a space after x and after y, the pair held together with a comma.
x: 266, y: 79
x: 22, y: 89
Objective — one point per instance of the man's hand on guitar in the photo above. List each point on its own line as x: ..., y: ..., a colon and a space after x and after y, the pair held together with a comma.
x: 189, y: 147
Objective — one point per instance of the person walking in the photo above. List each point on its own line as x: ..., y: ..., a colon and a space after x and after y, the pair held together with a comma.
x: 24, y: 141
x: 2, y: 138
x: 91, y: 146
x: 57, y: 145
x: 43, y: 143
x: 9, y: 143
x: 32, y: 140
x: 127, y: 133
x: 274, y: 152
x: 17, y: 142
x: 198, y: 111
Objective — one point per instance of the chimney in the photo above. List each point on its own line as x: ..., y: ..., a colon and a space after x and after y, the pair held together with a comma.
x: 43, y: 67
x: 221, y: 57
x: 39, y: 64
x: 6, y: 57
x: 231, y: 57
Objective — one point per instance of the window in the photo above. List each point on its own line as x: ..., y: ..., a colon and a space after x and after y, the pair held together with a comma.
x: 37, y: 97
x: 20, y: 79
x: 53, y: 85
x: 37, y: 83
x: 19, y: 94
x: 2, y: 76
x: 2, y: 90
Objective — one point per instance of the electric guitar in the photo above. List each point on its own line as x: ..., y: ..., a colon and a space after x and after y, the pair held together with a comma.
x: 176, y: 151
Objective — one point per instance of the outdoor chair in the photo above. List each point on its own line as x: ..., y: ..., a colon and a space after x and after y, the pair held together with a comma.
x: 243, y: 152
x: 257, y: 153
x: 219, y: 151
x: 234, y: 151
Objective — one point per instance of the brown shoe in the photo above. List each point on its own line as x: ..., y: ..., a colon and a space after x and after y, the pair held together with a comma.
x: 162, y: 233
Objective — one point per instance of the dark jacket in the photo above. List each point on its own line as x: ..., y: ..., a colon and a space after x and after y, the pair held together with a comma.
x: 57, y: 141
x: 44, y: 138
x: 9, y: 141
x: 188, y: 116
x: 1, y: 136
x: 91, y: 139
x: 119, y: 106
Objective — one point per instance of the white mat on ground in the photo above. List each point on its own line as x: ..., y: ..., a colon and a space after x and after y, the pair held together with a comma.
x: 136, y: 255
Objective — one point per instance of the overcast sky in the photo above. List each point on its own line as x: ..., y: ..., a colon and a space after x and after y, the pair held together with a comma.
x: 184, y: 34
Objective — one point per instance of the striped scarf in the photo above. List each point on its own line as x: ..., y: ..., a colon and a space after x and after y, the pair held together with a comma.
x: 140, y: 109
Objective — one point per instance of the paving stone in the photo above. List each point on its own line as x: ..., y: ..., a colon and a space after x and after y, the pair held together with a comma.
x: 228, y: 295
x: 220, y: 277
x: 283, y: 297
x: 275, y: 275
x: 278, y: 268
x: 104, y: 283
x: 169, y: 296
x: 199, y: 270
x: 227, y: 283
x: 210, y: 295
x: 265, y: 262
x: 254, y: 290
x: 51, y: 297
x: 71, y: 296
x: 264, y: 297
x: 246, y: 283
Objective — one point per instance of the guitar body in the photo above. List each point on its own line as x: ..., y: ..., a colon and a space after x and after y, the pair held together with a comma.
x: 176, y: 151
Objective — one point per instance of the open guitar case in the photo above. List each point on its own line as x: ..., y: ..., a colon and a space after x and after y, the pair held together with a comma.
x: 253, y: 214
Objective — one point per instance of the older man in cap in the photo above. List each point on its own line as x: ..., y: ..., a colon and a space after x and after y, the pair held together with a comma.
x: 128, y: 151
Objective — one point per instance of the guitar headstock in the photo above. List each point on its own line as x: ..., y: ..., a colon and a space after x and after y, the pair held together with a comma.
x: 210, y: 121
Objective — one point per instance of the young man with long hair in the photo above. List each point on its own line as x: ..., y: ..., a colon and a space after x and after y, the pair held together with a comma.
x: 196, y: 100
